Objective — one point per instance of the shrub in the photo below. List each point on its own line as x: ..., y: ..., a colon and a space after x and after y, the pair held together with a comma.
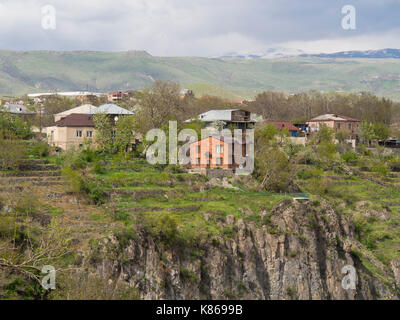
x: 12, y: 152
x: 173, y: 168
x: 394, y: 165
x: 98, y: 167
x: 163, y: 226
x: 381, y: 168
x: 95, y: 191
x: 41, y: 149
x: 188, y: 275
x: 73, y: 178
x: 350, y: 157
x: 308, y: 174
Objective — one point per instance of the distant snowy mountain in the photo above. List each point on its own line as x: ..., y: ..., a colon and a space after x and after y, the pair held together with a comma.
x: 273, y: 53
x: 381, y: 54
x: 270, y: 53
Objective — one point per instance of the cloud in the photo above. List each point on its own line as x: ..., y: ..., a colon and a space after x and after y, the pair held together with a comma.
x: 197, y: 27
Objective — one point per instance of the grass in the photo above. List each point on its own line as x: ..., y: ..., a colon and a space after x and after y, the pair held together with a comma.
x: 180, y: 201
x: 230, y: 78
x: 379, y: 236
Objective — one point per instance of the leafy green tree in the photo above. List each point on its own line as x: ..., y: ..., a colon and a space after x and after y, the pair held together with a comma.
x: 104, y: 131
x: 13, y: 126
x: 367, y: 132
x: 123, y: 133
x: 381, y: 131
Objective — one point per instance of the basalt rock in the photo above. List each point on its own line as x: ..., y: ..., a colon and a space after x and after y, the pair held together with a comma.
x: 297, y: 253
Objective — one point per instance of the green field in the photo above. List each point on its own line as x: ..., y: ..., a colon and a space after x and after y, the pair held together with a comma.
x: 38, y: 71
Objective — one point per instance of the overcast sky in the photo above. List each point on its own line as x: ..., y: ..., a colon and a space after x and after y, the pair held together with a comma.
x: 199, y: 27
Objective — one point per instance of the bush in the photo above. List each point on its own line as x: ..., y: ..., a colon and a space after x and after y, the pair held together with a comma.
x: 73, y: 178
x: 163, y: 226
x: 41, y: 149
x: 308, y: 174
x: 381, y: 169
x: 350, y: 157
x: 394, y: 165
x: 98, y: 167
x: 95, y: 191
x: 12, y: 152
x: 173, y: 168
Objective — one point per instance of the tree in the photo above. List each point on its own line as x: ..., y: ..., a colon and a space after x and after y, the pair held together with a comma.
x: 381, y: 131
x: 104, y: 129
x: 273, y: 170
x: 12, y: 152
x: 123, y: 133
x: 159, y: 104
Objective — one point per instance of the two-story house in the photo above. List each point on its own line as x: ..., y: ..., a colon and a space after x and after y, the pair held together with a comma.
x: 236, y: 118
x: 72, y: 130
x: 338, y: 123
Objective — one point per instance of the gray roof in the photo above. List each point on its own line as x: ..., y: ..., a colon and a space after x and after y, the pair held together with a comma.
x: 214, y: 115
x: 85, y: 109
x: 111, y: 109
x: 16, y: 109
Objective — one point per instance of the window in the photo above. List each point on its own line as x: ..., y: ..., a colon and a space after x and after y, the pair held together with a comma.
x: 89, y: 134
x: 198, y: 161
x: 79, y: 133
x: 219, y: 161
x: 349, y: 125
x: 198, y: 149
x: 220, y: 149
x: 338, y: 125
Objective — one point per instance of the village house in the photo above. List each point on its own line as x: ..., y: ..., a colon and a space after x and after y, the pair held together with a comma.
x: 235, y: 118
x: 338, y: 123
x: 281, y: 125
x: 185, y: 93
x: 71, y: 131
x: 74, y: 129
x: 114, y: 96
x: 215, y: 152
x: 83, y: 109
x: 18, y: 110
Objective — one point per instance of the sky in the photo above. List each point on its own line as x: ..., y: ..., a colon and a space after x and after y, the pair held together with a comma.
x: 197, y: 27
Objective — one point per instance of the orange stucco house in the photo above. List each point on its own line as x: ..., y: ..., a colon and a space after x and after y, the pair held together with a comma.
x: 215, y: 152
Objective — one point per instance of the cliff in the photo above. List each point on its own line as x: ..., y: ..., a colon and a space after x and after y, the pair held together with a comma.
x: 297, y: 253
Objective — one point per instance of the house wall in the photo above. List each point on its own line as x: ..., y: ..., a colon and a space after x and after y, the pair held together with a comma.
x: 65, y: 137
x: 209, y: 145
x: 337, y: 126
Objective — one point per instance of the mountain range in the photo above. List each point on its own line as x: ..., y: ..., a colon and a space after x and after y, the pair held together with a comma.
x: 279, y: 52
x: 232, y: 78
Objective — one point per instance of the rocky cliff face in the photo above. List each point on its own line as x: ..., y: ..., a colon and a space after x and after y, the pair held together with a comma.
x: 298, y: 253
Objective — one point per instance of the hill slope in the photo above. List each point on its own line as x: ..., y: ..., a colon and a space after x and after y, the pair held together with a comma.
x: 38, y: 71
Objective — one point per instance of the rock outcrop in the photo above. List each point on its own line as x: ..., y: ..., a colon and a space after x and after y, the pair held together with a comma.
x: 297, y: 252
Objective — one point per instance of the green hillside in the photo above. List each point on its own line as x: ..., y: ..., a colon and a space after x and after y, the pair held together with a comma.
x: 37, y: 71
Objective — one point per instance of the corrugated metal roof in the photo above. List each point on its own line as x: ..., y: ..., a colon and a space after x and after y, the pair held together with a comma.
x: 111, y: 109
x: 84, y: 109
x: 214, y: 115
x: 16, y: 109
